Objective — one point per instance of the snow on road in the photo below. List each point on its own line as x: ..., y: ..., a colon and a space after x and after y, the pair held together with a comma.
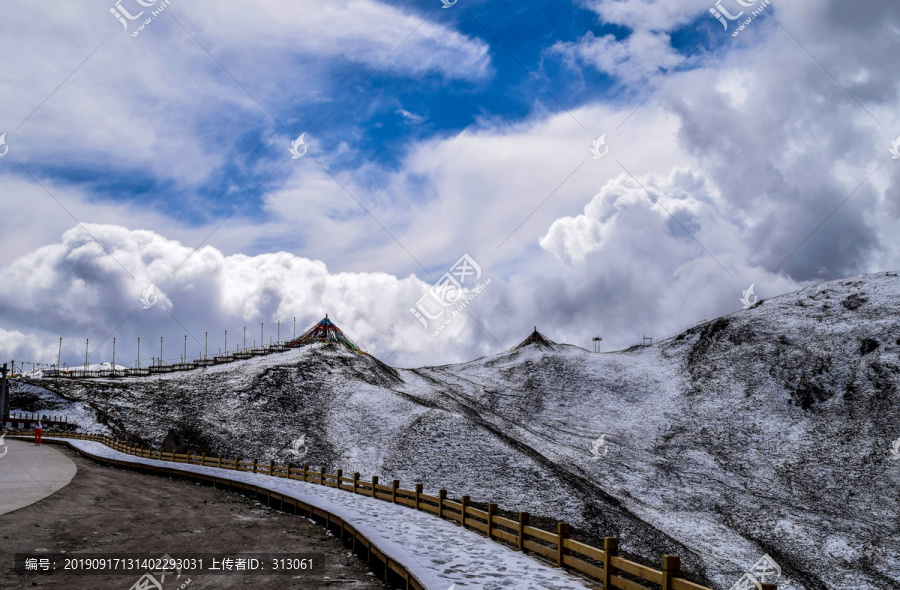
x: 437, y: 552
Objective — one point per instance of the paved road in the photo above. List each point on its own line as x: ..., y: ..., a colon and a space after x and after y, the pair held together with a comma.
x: 105, y: 510
x: 29, y: 473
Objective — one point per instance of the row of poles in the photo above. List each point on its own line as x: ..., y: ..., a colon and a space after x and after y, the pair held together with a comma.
x: 183, y: 358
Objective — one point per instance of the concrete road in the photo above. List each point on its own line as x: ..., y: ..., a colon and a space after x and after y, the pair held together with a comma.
x: 29, y: 473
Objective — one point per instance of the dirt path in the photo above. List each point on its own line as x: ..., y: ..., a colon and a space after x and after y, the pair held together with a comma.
x: 112, y: 510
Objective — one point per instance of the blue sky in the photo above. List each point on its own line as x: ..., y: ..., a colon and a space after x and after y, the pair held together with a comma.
x: 758, y: 159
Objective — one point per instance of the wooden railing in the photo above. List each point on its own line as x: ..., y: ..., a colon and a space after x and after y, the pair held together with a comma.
x: 603, y: 565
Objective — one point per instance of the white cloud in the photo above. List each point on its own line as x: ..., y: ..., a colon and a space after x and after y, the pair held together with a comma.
x: 642, y: 56
x: 649, y: 14
x: 77, y: 288
x: 17, y: 346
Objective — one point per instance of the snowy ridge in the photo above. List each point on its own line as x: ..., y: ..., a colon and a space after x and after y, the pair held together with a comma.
x: 764, y: 431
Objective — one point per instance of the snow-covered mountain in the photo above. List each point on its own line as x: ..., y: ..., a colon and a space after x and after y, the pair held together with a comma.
x: 765, y: 431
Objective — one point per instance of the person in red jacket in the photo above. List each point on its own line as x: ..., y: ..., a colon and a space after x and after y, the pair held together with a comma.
x: 37, y: 432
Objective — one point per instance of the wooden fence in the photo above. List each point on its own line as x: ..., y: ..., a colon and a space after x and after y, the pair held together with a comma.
x: 603, y: 565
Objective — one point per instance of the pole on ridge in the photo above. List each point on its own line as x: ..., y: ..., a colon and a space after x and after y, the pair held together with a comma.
x: 3, y: 412
x: 139, y: 354
x: 114, y: 354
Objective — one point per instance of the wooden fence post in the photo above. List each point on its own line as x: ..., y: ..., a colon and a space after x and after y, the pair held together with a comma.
x: 288, y: 470
x: 562, y: 533
x: 237, y: 463
x: 220, y: 460
x: 305, y: 471
x: 254, y: 466
x: 465, y: 504
x: 492, y: 509
x: 394, y: 486
x: 321, y: 476
x: 374, y: 485
x: 340, y: 474
x: 203, y: 458
x: 610, y: 549
x: 418, y: 493
x: 271, y: 466
x: 442, y: 495
x: 355, y: 483
x: 768, y: 586
x: 523, y: 522
x: 670, y: 566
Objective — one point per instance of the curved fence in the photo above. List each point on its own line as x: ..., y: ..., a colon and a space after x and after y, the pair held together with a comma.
x: 603, y: 565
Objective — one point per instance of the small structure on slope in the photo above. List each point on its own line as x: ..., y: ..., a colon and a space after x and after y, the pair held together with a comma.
x: 325, y: 332
x: 536, y: 338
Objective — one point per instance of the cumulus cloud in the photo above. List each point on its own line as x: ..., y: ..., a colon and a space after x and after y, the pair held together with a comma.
x: 84, y: 287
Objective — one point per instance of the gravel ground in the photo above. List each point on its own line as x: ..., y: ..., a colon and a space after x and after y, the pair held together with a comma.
x: 112, y: 510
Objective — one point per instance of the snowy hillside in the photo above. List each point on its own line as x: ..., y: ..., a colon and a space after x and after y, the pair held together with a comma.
x: 765, y: 431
